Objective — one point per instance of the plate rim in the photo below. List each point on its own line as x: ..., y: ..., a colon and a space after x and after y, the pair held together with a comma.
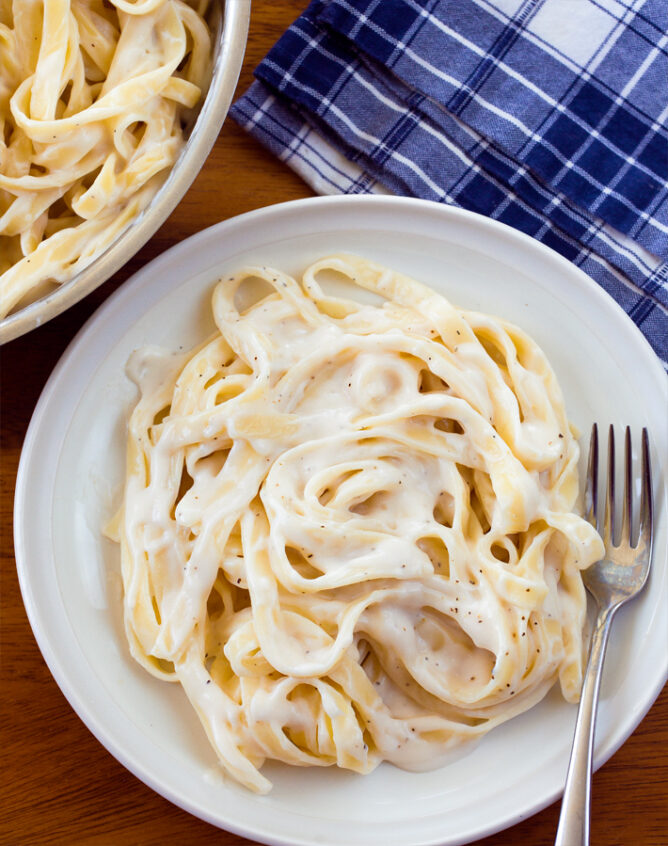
x: 106, y: 312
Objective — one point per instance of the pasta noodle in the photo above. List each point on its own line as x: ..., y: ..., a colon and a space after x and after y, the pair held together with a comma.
x: 348, y: 529
x: 93, y: 99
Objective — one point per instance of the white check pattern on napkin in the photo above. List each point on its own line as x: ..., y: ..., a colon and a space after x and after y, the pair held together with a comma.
x: 548, y: 115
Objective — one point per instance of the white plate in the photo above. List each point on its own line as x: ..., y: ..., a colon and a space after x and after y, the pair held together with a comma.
x: 69, y: 482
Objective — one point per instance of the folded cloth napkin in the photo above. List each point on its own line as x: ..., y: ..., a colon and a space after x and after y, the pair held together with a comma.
x: 548, y: 115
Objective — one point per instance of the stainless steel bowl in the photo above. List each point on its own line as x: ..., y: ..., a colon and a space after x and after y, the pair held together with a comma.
x: 229, y: 53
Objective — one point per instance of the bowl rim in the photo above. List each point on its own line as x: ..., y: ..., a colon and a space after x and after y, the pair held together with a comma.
x: 227, y: 67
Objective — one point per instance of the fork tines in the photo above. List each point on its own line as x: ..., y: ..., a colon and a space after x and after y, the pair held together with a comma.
x: 609, y: 529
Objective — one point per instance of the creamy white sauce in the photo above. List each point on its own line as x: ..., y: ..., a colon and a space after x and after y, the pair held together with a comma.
x: 94, y: 98
x: 352, y: 536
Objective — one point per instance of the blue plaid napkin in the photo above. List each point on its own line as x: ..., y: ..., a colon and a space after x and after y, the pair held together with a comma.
x: 548, y: 115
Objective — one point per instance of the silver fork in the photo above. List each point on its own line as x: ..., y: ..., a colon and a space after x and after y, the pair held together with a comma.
x: 618, y: 577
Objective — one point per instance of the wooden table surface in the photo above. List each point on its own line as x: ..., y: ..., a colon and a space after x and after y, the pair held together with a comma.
x: 59, y: 785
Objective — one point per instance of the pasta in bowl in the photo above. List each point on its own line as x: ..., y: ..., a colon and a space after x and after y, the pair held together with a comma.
x: 106, y: 121
x: 348, y: 530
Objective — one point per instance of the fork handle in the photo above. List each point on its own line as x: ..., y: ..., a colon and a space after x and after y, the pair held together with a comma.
x: 573, y: 829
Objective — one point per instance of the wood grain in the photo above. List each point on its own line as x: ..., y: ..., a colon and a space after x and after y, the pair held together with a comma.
x: 59, y: 785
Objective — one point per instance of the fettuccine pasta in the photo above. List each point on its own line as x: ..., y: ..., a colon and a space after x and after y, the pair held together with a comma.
x: 348, y: 530
x: 93, y: 99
